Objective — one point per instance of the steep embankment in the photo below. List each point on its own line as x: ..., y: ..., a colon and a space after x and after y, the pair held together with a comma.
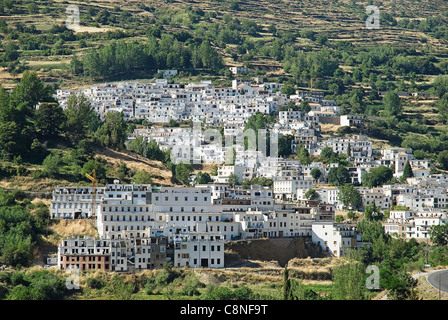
x: 280, y: 250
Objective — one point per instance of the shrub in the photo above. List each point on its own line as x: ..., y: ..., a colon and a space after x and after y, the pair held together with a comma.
x: 95, y: 283
x: 19, y: 278
x: 219, y: 293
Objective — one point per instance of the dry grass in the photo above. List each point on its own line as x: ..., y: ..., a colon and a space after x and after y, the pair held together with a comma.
x: 426, y: 292
x: 328, y: 127
x: 161, y: 175
x: 67, y: 228
x: 27, y: 183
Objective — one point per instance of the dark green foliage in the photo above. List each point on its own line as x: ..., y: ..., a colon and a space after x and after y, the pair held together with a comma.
x: 338, y: 176
x: 407, y: 171
x: 350, y: 196
x: 442, y: 159
x: 377, y: 176
x: 112, y: 133
x: 327, y: 153
x: 19, y: 231
x: 142, y: 177
x: 373, y: 213
x: 256, y: 122
x: 95, y: 283
x: 119, y: 59
x: 31, y: 90
x: 98, y: 164
x: 81, y: 118
x: 52, y: 164
x: 284, y: 145
x: 348, y: 282
x: 303, y: 155
x: 182, y: 172
x: 316, y: 173
x: 392, y: 104
x: 202, y: 178
x: 49, y: 119
x: 17, y: 132
x: 312, y: 194
x: 439, y: 234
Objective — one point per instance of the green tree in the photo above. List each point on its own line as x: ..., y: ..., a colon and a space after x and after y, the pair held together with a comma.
x: 97, y: 165
x: 303, y: 155
x: 214, y: 171
x: 442, y: 159
x: 31, y: 90
x: 142, y: 177
x: 305, y: 106
x: 348, y: 282
x: 392, y: 104
x: 351, y: 215
x: 316, y: 174
x: 112, y: 133
x: 338, y: 176
x: 312, y: 194
x: 182, y: 172
x: 407, y: 171
x: 233, y: 179
x: 153, y: 151
x: 440, y: 85
x: 52, y: 165
x: 371, y: 230
x: 350, y: 197
x: 81, y: 118
x: 9, y: 139
x: 327, y: 153
x: 202, y: 178
x: 137, y: 145
x: 123, y: 172
x: 439, y: 234
x: 284, y: 145
x: 372, y: 212
x: 286, y: 284
x: 377, y: 176
x: 16, y: 249
x: 49, y: 119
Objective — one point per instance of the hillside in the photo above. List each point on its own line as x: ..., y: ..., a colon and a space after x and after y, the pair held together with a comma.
x: 296, y: 22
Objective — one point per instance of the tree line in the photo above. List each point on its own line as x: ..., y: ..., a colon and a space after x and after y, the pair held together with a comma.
x: 120, y: 59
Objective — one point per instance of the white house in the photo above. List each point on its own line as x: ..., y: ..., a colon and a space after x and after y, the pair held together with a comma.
x: 335, y: 238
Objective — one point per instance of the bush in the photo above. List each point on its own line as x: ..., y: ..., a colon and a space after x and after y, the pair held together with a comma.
x: 191, y: 286
x: 149, y: 288
x: 21, y: 171
x: 95, y: 283
x: 3, y: 292
x: 38, y: 174
x: 219, y: 293
x: 18, y: 278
